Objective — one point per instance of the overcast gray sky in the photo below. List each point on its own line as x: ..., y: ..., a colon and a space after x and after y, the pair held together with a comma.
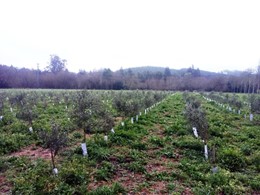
x: 212, y: 35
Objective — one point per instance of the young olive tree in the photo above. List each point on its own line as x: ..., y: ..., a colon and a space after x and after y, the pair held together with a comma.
x: 105, y: 119
x: 85, y: 113
x: 128, y: 104
x: 2, y: 99
x: 26, y: 110
x: 196, y: 116
x: 202, y: 124
x: 235, y: 102
x: 54, y: 140
x: 149, y: 99
x: 255, y: 103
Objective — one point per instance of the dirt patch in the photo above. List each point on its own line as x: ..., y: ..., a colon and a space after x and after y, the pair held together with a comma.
x: 160, y: 165
x: 187, y: 191
x: 159, y: 130
x: 155, y: 166
x: 126, y: 178
x: 4, y: 185
x: 159, y: 187
x: 118, y: 120
x: 33, y: 152
x: 166, y: 114
x: 81, y: 132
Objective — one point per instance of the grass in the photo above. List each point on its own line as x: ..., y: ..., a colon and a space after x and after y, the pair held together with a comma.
x: 158, y: 154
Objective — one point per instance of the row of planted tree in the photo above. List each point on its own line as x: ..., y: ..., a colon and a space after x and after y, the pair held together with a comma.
x: 197, y: 119
x: 196, y: 115
x: 48, y: 117
x: 246, y: 104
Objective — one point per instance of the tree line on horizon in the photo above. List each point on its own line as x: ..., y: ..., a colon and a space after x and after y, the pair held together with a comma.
x: 56, y: 76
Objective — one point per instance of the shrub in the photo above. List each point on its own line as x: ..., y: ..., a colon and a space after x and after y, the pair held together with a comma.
x: 255, y: 183
x: 189, y: 142
x: 231, y: 159
x: 116, y: 188
x: 220, y: 178
x: 98, y: 153
x: 157, y: 141
x: 255, y: 104
x: 136, y: 167
x: 177, y: 128
x: 77, y: 135
x: 256, y: 161
x: 138, y: 145
x: 74, y: 173
x: 105, y: 171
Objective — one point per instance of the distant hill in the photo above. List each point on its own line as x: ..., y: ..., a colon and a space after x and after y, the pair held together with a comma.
x: 177, y: 72
x: 234, y: 72
x: 152, y: 69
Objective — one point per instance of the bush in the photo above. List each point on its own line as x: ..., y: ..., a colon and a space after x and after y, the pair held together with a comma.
x: 189, y: 142
x: 116, y: 188
x: 178, y: 129
x: 255, y: 104
x: 157, y: 141
x: 77, y: 135
x: 246, y: 149
x: 220, y: 178
x: 105, y: 171
x: 98, y: 153
x: 13, y: 142
x: 138, y: 145
x: 194, y: 169
x: 136, y: 166
x: 255, y: 183
x: 33, y: 178
x: 231, y: 159
x: 256, y: 161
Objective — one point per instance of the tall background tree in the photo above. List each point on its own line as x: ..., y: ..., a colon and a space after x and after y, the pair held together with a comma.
x: 56, y: 64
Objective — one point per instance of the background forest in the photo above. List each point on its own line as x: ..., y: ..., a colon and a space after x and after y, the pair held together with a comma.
x: 57, y: 76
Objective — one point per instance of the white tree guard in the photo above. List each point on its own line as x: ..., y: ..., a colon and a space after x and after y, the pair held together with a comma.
x: 1, y: 118
x: 215, y: 170
x: 55, y: 171
x: 195, y: 132
x: 105, y: 138
x: 132, y: 120
x: 136, y: 118
x: 84, y: 149
x: 206, y: 154
x: 122, y: 124
x: 251, y: 117
x: 31, y: 129
x: 112, y: 130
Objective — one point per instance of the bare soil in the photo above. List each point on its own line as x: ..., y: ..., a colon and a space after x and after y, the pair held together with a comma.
x: 5, y: 186
x: 33, y: 152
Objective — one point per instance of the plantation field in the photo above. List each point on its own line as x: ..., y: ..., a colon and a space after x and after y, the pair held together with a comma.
x: 138, y: 142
